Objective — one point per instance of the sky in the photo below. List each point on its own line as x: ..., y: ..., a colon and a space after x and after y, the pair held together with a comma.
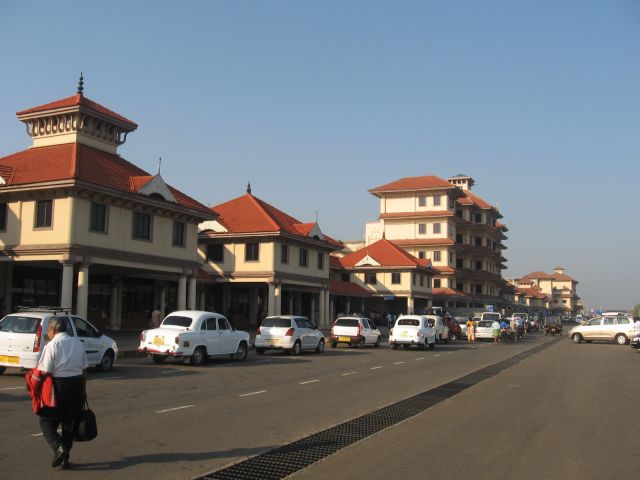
x: 316, y: 102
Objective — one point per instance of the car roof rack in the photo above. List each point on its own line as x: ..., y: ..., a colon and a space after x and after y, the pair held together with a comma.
x: 45, y: 308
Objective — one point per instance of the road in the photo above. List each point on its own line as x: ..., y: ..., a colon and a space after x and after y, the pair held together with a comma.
x: 173, y: 421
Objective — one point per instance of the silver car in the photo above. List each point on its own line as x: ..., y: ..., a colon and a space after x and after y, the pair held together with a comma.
x: 609, y: 328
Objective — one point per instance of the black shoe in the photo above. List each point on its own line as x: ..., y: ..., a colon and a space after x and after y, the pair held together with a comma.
x: 65, y: 463
x: 59, y: 457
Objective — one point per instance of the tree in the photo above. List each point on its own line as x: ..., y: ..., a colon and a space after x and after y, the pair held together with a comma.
x: 636, y: 311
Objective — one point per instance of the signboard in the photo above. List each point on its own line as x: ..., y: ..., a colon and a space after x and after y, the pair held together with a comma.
x: 389, y: 298
x: 489, y: 308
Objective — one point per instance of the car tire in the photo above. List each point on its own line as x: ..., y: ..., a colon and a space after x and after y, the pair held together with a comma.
x: 577, y: 338
x: 320, y: 347
x: 158, y: 358
x: 260, y: 350
x: 453, y: 337
x: 362, y: 343
x: 296, y: 350
x: 241, y: 352
x: 378, y: 341
x: 198, y: 357
x: 106, y: 363
x: 621, y: 339
x: 394, y: 346
x: 334, y: 344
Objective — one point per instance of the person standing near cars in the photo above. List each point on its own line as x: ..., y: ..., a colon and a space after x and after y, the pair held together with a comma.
x: 156, y: 318
x: 65, y: 359
x: 471, y: 329
x: 495, y: 331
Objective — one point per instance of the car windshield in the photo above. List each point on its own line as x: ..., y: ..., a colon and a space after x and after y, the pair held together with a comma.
x: 177, y: 321
x: 491, y: 316
x: 346, y: 322
x: 276, y: 322
x: 19, y: 324
x: 409, y: 322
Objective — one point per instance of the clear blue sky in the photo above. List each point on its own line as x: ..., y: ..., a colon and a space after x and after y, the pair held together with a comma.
x: 315, y: 102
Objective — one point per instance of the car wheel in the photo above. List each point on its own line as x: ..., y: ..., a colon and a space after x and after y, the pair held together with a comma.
x: 378, y: 340
x: 106, y: 362
x: 394, y: 346
x: 297, y: 349
x: 241, y: 352
x: 2, y: 369
x: 198, y: 357
x: 362, y: 343
x: 320, y: 347
x: 159, y: 358
x: 576, y: 337
x: 334, y: 344
x: 621, y: 339
x: 260, y: 350
x: 453, y: 337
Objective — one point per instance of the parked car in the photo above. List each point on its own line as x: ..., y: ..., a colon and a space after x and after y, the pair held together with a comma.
x: 610, y: 328
x: 462, y: 322
x: 288, y: 332
x: 23, y: 335
x: 416, y: 330
x: 483, y: 329
x: 194, y: 336
x: 453, y: 328
x: 354, y: 331
x: 440, y: 327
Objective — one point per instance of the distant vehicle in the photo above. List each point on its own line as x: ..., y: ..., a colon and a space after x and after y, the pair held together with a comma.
x: 493, y: 316
x: 462, y: 321
x: 454, y: 328
x: 416, y: 330
x: 355, y: 331
x: 483, y: 329
x: 194, y: 336
x: 288, y: 332
x: 552, y: 326
x: 610, y: 328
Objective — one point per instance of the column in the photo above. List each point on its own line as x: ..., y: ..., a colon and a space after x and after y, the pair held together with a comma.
x: 83, y: 290
x: 278, y: 300
x: 327, y: 308
x: 322, y: 317
x: 163, y: 299
x: 7, y: 307
x: 291, y: 303
x: 348, y: 312
x: 114, y: 309
x: 332, y: 312
x: 192, y: 292
x: 202, y: 298
x: 182, y: 292
x: 271, y: 306
x: 253, y: 305
x: 410, y: 305
x: 66, y: 296
x: 312, y: 315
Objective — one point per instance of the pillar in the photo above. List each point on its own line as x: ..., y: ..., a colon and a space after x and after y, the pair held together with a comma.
x: 328, y: 317
x: 410, y: 305
x: 278, y: 300
x: 163, y: 299
x: 348, y: 312
x: 312, y: 315
x: 116, y: 304
x: 192, y: 292
x: 253, y: 305
x: 83, y: 291
x: 7, y: 307
x: 322, y: 317
x: 271, y: 301
x: 291, y: 303
x: 66, y: 295
x: 182, y: 292
x: 202, y: 298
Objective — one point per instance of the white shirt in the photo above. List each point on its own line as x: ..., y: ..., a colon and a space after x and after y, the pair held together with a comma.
x: 63, y: 356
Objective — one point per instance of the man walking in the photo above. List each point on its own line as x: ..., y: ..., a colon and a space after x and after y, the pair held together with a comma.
x: 65, y: 359
x: 471, y: 329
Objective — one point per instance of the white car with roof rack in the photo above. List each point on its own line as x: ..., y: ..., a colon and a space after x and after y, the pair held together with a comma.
x: 194, y: 336
x: 23, y: 335
x: 292, y: 333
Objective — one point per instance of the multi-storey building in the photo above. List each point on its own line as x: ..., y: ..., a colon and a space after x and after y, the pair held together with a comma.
x: 560, y: 288
x: 443, y: 221
x: 83, y: 228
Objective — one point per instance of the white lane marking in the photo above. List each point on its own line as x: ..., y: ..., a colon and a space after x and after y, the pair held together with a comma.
x: 398, y: 363
x: 176, y: 408
x: 420, y: 358
x: 309, y: 381
x: 12, y: 388
x: 436, y: 354
x: 252, y: 393
x: 173, y: 371
x: 348, y: 373
x: 375, y: 368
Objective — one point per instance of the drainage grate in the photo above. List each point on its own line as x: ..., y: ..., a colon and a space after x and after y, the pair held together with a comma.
x: 288, y: 459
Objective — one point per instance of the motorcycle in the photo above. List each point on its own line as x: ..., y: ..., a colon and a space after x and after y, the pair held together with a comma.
x: 635, y: 342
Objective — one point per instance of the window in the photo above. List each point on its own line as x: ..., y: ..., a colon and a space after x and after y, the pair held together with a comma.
x: 478, y: 241
x: 370, y: 278
x: 210, y: 324
x: 44, y: 210
x: 460, y: 287
x: 436, y: 283
x: 459, y: 213
x: 413, y: 279
x: 141, y: 226
x: 395, y: 278
x: 3, y: 216
x: 478, y: 288
x: 450, y: 257
x: 478, y: 264
x: 222, y: 322
x: 421, y: 254
x: 284, y: 254
x: 98, y: 218
x: 304, y: 257
x: 421, y: 280
x: 320, y: 261
x: 459, y: 263
x: 459, y: 238
x: 436, y: 200
x: 345, y: 277
x: 437, y: 256
x: 422, y: 228
x: 623, y: 321
x: 422, y: 200
x: 436, y: 228
x: 477, y: 218
x: 215, y: 252
x: 252, y: 252
x: 178, y: 234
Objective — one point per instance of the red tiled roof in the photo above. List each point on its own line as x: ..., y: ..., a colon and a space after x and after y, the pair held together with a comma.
x: 433, y: 213
x: 559, y: 277
x: 444, y: 269
x: 414, y: 183
x: 249, y: 214
x: 447, y: 291
x: 347, y: 289
x: 138, y: 182
x: 78, y: 100
x: 74, y: 161
x: 386, y: 254
x: 335, y: 262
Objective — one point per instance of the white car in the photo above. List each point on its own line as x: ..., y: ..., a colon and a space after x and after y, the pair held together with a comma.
x: 23, y: 335
x: 288, y: 332
x: 413, y: 330
x: 354, y: 331
x: 441, y: 329
x: 607, y: 327
x: 483, y: 329
x: 194, y: 336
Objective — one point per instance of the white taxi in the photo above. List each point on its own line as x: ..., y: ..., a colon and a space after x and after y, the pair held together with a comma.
x: 194, y: 336
x: 288, y: 332
x: 414, y: 330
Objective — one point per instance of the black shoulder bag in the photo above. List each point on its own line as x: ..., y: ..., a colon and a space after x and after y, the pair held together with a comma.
x: 87, y: 428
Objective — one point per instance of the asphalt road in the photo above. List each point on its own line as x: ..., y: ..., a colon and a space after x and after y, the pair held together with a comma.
x: 174, y: 421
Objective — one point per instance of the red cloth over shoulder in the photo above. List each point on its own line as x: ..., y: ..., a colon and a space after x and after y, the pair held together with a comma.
x: 41, y: 389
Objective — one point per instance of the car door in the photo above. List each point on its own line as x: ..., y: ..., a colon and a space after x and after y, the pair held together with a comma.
x: 90, y: 339
x: 314, y: 334
x: 367, y: 331
x: 608, y: 328
x: 304, y: 333
x: 227, y: 337
x: 591, y: 330
x: 209, y: 329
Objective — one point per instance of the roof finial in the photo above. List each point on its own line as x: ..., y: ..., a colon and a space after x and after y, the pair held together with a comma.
x: 81, y: 84
x: 159, y: 164
x: 249, y: 187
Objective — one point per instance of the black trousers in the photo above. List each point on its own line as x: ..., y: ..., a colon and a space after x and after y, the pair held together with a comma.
x: 70, y: 397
